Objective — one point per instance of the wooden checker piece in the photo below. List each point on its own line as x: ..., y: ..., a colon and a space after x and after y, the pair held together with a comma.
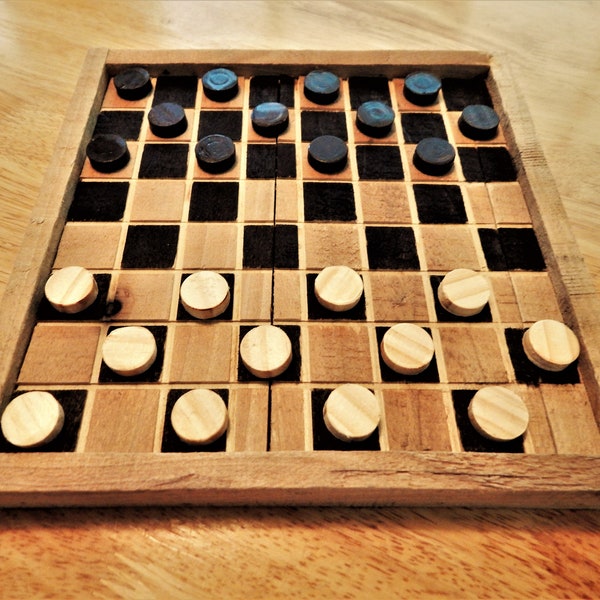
x: 321, y: 87
x: 167, y: 120
x: 71, y: 289
x: 422, y: 88
x: 220, y: 84
x: 270, y: 119
x: 133, y: 83
x: 108, y: 153
x: 498, y: 413
x: 205, y: 294
x: 351, y: 412
x: 407, y: 349
x: 464, y: 292
x: 479, y: 122
x: 32, y: 419
x: 551, y: 345
x: 266, y: 351
x: 129, y: 351
x: 338, y: 288
x: 199, y: 417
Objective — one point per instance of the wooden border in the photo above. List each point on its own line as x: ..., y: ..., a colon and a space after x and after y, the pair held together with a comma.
x: 325, y: 478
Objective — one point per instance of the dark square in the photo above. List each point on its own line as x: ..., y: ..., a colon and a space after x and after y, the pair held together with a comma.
x: 392, y: 248
x: 316, y: 123
x: 126, y: 123
x: 323, y: 439
x: 98, y: 201
x: 485, y: 316
x: 379, y: 162
x: 214, y: 201
x: 224, y: 122
x: 150, y: 247
x: 286, y: 161
x: 459, y: 93
x: 164, y: 161
x: 511, y: 249
x: 226, y: 315
x: 429, y: 375
x: 417, y: 126
x: 292, y: 373
x: 363, y: 89
x: 526, y: 372
x: 285, y: 247
x: 440, y: 203
x: 171, y: 442
x: 271, y: 88
x: 152, y: 375
x: 258, y: 247
x: 471, y: 167
x: 178, y: 89
x: 324, y: 201
x: 261, y: 161
x: 471, y: 439
x: 496, y: 164
x: 317, y: 311
x: 73, y: 403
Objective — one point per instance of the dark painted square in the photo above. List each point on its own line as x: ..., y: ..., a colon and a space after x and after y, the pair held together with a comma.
x: 150, y: 247
x: 429, y: 375
x: 440, y: 203
x: 152, y: 375
x: 316, y: 123
x: 224, y: 122
x: 214, y: 201
x: 171, y: 442
x: 459, y: 93
x: 325, y: 201
x: 261, y: 161
x: 292, y: 373
x: 164, y: 161
x: 98, y: 201
x: 471, y: 439
x: 392, y: 248
x: 258, y: 247
x: 183, y: 315
x: 319, y: 312
x: 363, y: 89
x: 471, y: 167
x: 286, y: 161
x: 178, y: 89
x: 485, y: 316
x: 323, y: 439
x: 379, y: 162
x: 285, y: 254
x: 73, y: 403
x: 417, y: 126
x: 496, y: 164
x: 126, y: 123
x: 272, y: 88
x: 511, y: 249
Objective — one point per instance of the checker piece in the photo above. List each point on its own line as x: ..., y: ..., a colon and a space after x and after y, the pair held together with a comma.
x: 199, y: 417
x: 407, y: 349
x: 129, y: 351
x: 270, y: 119
x: 338, y: 288
x: 434, y: 156
x: 551, y: 345
x: 321, y: 87
x: 479, y: 122
x: 205, y: 294
x: 167, y: 120
x: 108, y: 153
x: 220, y: 84
x: 266, y: 351
x: 421, y: 88
x: 215, y: 153
x: 374, y: 118
x: 351, y: 412
x: 463, y: 292
x: 133, y: 84
x: 71, y: 289
x: 328, y: 154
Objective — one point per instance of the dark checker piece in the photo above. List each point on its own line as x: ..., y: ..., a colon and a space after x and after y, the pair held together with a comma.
x: 479, y: 122
x: 215, y: 153
x: 434, y: 156
x: 220, y: 84
x: 270, y: 119
x: 108, y: 153
x: 421, y: 88
x: 321, y: 87
x: 328, y: 154
x: 167, y: 120
x: 133, y: 84
x: 374, y: 118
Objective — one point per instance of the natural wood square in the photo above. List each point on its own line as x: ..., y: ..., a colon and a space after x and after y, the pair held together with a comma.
x: 157, y: 200
x: 508, y: 203
x: 144, y: 296
x: 384, y: 202
x: 254, y: 295
x: 535, y: 296
x: 416, y: 420
x: 479, y: 199
x: 339, y: 353
x: 210, y: 246
x: 286, y: 200
x: 88, y: 172
x: 259, y: 200
x: 398, y: 296
x: 449, y: 247
x: 472, y: 354
x: 504, y: 298
x: 60, y: 354
x: 287, y: 418
x: 202, y: 352
x: 332, y: 244
x: 90, y: 246
x: 123, y: 420
x: 287, y: 301
x: 248, y: 419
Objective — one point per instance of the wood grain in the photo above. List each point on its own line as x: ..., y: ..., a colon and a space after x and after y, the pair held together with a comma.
x: 253, y: 553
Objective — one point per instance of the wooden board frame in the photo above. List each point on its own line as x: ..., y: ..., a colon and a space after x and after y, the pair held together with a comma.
x: 324, y: 478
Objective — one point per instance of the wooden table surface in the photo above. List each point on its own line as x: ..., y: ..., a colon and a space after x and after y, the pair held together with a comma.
x: 553, y: 49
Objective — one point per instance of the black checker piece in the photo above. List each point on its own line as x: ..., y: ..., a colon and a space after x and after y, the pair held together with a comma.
x: 324, y: 201
x: 98, y: 201
x: 418, y: 126
x: 214, y: 201
x: 392, y: 248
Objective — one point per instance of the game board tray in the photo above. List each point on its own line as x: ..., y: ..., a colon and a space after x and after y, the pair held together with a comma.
x: 116, y: 447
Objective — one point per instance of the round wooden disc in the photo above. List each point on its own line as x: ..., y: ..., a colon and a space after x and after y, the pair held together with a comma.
x: 434, y: 156
x: 463, y: 292
x: 351, y: 412
x: 220, y: 84
x: 551, y: 345
x: 133, y: 84
x: 266, y: 351
x: 338, y: 288
x: 422, y: 88
x: 270, y: 119
x: 479, y: 122
x: 71, y: 290
x: 375, y: 118
x: 215, y: 153
x: 328, y: 154
x: 321, y: 87
x: 407, y: 349
x: 167, y: 120
x: 199, y: 417
x: 32, y: 419
x: 129, y: 351
x: 205, y: 294
x: 498, y: 413
x: 108, y: 153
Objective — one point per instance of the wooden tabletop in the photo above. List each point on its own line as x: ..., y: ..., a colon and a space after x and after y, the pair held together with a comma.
x: 552, y: 49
